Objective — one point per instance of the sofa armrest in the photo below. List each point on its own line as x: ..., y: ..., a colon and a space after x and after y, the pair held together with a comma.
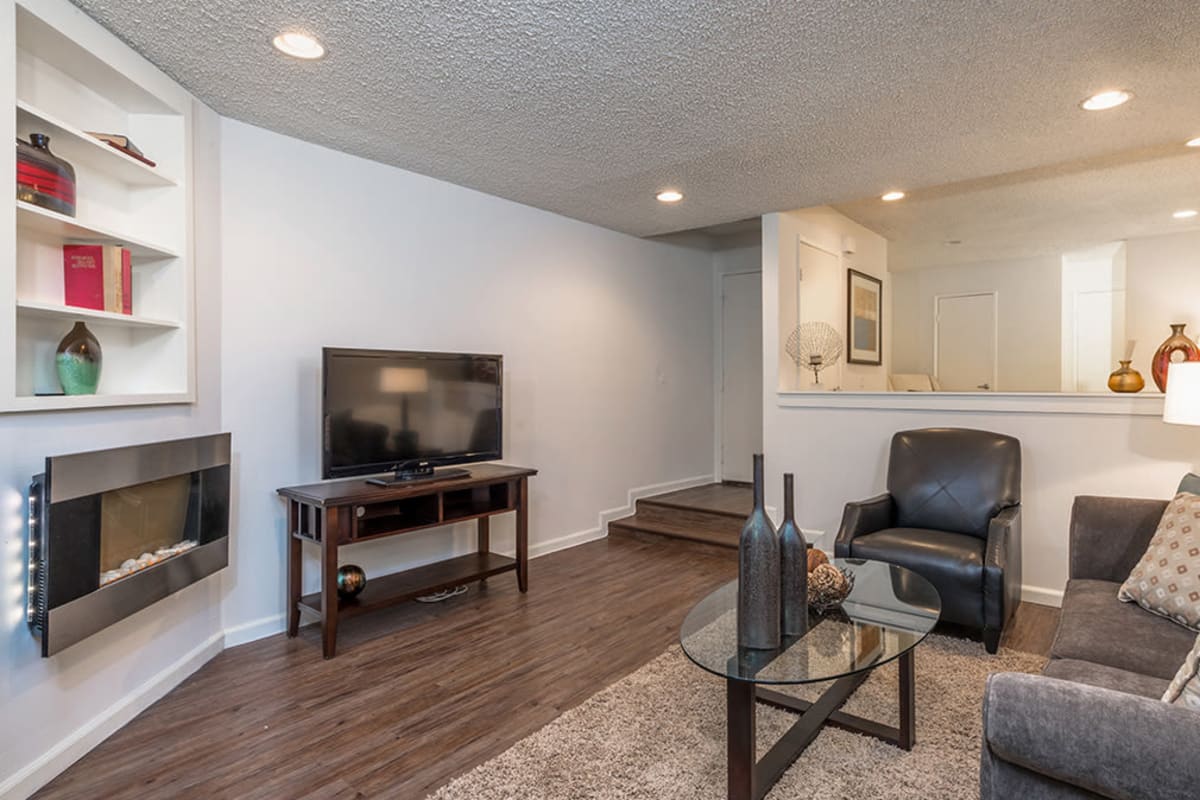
x: 1002, y: 568
x: 861, y: 518
x: 1110, y: 534
x: 1114, y: 744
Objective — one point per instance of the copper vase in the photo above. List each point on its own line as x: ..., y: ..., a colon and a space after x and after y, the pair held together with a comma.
x: 1178, y: 347
x: 1126, y: 380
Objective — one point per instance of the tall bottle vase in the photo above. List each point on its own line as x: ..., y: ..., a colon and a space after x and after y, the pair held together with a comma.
x: 793, y: 566
x: 758, y: 575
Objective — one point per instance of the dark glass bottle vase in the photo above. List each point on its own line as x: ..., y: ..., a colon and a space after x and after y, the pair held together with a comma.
x: 758, y: 575
x: 43, y: 178
x: 78, y: 360
x: 793, y: 566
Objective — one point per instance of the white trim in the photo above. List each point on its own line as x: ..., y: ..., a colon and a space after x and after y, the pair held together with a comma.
x: 254, y: 630
x: 1042, y: 597
x: 611, y: 514
x: 937, y: 315
x: 1149, y: 404
x: 54, y: 761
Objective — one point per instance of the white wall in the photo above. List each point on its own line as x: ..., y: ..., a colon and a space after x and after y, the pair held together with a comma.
x: 1029, y: 307
x: 55, y: 709
x: 840, y: 454
x: 1163, y: 286
x: 607, y: 341
x: 822, y: 293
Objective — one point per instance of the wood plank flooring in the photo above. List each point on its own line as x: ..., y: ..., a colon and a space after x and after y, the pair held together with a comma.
x: 420, y: 693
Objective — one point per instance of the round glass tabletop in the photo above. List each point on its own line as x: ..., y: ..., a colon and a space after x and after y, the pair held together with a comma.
x: 889, y: 611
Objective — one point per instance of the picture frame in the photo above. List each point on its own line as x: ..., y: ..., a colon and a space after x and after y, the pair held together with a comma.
x: 864, y: 318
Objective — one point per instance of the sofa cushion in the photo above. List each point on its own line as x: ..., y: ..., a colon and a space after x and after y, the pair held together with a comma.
x: 1096, y: 626
x: 1092, y: 674
x: 952, y: 562
x: 1185, y: 686
x: 1167, y: 579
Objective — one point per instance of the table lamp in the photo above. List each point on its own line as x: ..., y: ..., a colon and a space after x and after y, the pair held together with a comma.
x: 1182, y: 406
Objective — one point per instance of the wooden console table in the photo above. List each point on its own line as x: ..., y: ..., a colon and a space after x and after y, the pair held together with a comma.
x: 343, y: 512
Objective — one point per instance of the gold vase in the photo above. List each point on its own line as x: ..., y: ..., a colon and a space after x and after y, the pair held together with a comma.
x: 1126, y: 379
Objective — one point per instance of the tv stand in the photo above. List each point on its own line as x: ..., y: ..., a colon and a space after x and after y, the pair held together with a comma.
x: 338, y: 513
x: 419, y: 474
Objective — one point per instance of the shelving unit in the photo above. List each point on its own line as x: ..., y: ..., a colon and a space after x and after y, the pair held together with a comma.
x: 70, y: 76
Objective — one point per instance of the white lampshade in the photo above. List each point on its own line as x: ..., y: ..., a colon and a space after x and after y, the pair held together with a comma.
x: 403, y: 380
x: 1183, y: 394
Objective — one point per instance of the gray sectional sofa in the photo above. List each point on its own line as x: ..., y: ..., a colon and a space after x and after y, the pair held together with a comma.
x: 1093, y: 724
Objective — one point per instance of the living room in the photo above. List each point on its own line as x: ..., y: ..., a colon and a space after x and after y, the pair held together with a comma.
x: 445, y: 181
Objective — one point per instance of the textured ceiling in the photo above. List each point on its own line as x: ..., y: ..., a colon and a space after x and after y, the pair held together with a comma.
x: 1038, y: 212
x: 587, y: 108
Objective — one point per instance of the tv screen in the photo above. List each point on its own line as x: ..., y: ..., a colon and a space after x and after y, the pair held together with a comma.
x: 387, y: 410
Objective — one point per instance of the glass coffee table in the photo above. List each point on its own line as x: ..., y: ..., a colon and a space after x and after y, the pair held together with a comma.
x: 889, y: 611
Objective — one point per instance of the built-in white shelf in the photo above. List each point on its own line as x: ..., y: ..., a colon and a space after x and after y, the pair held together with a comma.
x: 27, y: 308
x: 72, y: 231
x: 77, y: 147
x: 68, y: 75
x: 63, y: 402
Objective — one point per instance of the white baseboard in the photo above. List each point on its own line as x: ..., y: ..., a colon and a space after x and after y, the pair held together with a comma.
x: 1043, y: 597
x: 34, y: 776
x: 254, y: 629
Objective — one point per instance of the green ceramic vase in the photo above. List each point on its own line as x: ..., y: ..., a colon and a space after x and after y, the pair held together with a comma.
x: 78, y: 360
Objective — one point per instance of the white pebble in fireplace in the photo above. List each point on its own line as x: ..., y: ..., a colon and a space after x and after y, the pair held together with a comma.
x: 132, y: 565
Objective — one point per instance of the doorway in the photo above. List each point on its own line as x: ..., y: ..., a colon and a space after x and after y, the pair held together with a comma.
x: 741, y: 374
x: 964, y: 342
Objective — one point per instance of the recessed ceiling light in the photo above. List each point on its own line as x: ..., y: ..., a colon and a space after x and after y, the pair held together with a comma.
x: 892, y: 197
x: 299, y: 45
x: 1106, y: 100
x: 1186, y: 213
x: 1194, y: 142
x: 669, y: 196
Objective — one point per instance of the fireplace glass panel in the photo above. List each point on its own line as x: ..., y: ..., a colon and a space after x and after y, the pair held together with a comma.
x: 144, y: 524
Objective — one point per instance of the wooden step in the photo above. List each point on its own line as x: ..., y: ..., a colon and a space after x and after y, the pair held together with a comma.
x: 633, y: 528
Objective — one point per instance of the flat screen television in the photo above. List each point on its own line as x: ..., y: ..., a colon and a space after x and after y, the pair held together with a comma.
x: 408, y: 412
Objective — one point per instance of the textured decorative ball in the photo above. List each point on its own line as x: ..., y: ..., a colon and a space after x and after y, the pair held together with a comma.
x: 816, y: 558
x: 828, y: 586
x: 350, y: 580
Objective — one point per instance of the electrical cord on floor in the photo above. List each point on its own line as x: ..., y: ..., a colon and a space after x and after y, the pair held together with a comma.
x: 444, y: 594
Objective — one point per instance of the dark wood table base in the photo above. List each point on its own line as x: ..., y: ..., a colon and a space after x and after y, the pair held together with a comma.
x: 751, y: 779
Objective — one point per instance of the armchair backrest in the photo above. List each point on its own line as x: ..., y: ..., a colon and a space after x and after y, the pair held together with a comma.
x: 953, y: 479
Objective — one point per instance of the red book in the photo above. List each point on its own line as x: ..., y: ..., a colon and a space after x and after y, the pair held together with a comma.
x: 126, y: 282
x: 83, y: 275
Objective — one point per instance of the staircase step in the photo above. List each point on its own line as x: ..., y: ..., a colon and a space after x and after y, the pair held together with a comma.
x: 638, y: 527
x: 680, y: 517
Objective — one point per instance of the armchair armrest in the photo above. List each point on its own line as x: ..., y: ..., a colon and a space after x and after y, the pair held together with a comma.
x: 1002, y: 568
x: 1113, y: 744
x: 1110, y: 534
x: 863, y: 517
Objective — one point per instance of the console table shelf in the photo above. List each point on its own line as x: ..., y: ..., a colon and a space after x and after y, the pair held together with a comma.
x: 399, y: 587
x: 335, y: 513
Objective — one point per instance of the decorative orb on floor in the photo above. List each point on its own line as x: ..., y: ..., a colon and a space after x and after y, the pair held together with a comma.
x: 350, y: 580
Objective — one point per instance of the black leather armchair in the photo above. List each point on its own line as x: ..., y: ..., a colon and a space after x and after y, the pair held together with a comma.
x: 952, y: 513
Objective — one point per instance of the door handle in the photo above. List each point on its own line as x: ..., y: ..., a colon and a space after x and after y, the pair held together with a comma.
x: 987, y: 387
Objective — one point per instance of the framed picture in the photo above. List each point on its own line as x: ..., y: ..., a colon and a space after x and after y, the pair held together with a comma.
x: 864, y: 318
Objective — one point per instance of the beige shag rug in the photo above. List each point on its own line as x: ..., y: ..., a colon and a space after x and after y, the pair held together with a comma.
x: 659, y: 734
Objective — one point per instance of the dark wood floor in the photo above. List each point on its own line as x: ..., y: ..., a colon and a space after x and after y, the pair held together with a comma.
x: 418, y: 694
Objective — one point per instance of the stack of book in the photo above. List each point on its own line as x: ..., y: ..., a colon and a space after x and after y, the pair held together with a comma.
x: 121, y: 142
x: 99, y: 277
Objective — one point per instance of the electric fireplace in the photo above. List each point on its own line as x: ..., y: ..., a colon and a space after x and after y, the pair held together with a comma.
x: 114, y: 531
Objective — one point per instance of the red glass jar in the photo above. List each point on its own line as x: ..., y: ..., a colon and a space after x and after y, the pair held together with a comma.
x: 1176, y: 348
x: 43, y: 178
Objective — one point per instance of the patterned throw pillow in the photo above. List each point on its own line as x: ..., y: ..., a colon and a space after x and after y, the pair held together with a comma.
x: 1185, y: 688
x: 1167, y: 579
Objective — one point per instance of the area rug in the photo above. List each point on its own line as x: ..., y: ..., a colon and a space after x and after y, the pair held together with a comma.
x: 659, y: 734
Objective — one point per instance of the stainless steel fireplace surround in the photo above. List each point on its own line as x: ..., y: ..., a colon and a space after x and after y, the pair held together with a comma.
x: 114, y: 531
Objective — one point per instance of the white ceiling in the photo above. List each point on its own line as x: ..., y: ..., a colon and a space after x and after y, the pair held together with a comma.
x: 587, y: 108
x: 1041, y: 212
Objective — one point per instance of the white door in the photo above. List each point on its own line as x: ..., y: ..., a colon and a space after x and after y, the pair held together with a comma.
x: 964, y: 342
x: 741, y: 374
x: 1099, y: 330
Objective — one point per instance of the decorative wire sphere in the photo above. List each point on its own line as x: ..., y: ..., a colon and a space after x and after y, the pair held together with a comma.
x: 815, y: 346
